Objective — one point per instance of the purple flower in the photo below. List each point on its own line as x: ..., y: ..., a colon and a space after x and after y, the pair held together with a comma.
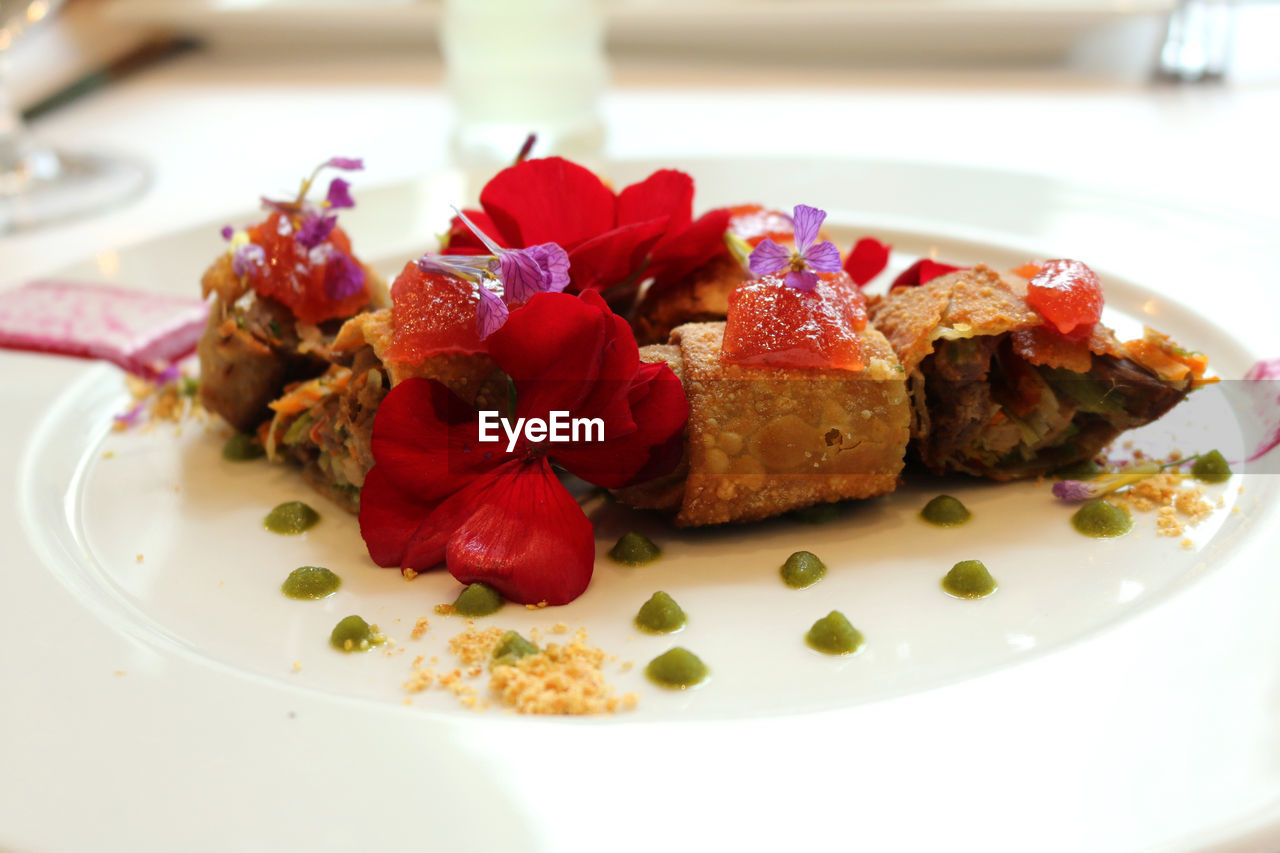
x: 226, y: 232
x: 349, y: 164
x: 537, y: 269
x: 804, y: 264
x: 468, y: 267
x: 246, y: 258
x: 343, y: 277
x: 130, y: 418
x: 315, y: 230
x: 339, y: 194
x: 1073, y: 491
x: 491, y: 313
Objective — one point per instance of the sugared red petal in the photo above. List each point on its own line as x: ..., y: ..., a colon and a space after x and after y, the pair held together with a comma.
x: 677, y: 257
x: 1067, y: 294
x: 771, y: 323
x: 432, y: 314
x: 866, y: 260
x: 301, y: 278
x: 525, y: 536
x: 550, y: 200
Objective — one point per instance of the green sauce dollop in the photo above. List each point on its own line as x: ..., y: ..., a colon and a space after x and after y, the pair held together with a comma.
x: 833, y: 635
x: 1211, y: 467
x: 310, y: 582
x: 291, y: 518
x: 242, y: 448
x: 817, y: 514
x: 678, y: 668
x: 511, y: 648
x: 478, y: 599
x: 1102, y: 520
x: 660, y: 615
x: 802, y: 569
x: 945, y: 511
x: 634, y: 549
x: 1085, y: 469
x: 353, y: 634
x: 969, y: 579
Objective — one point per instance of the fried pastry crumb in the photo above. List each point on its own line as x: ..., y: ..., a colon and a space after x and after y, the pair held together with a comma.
x: 1177, y: 506
x: 419, y: 628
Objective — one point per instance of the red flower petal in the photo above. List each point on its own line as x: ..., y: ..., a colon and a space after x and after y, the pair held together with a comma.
x: 388, y: 518
x: 654, y: 448
x: 666, y: 192
x: 674, y: 259
x: 922, y: 271
x: 615, y: 257
x: 526, y: 536
x: 460, y: 241
x: 866, y: 260
x: 550, y: 200
x: 424, y: 441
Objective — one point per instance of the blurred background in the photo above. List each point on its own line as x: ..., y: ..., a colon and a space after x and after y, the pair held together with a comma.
x: 196, y: 91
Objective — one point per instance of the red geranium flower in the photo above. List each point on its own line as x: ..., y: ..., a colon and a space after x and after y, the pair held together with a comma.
x: 612, y: 239
x: 921, y: 272
x: 438, y: 494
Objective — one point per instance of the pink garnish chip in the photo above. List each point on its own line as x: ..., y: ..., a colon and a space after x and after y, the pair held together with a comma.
x: 1263, y: 390
x: 141, y: 332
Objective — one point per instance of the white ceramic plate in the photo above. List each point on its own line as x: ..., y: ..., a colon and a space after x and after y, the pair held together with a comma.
x: 1112, y: 695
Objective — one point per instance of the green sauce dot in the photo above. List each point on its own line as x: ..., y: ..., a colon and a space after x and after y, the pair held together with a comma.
x: 511, y: 648
x: 833, y: 635
x: 1102, y: 520
x: 969, y: 579
x: 1211, y: 467
x: 817, y: 514
x: 478, y: 599
x: 291, y: 518
x: 1085, y: 469
x: 802, y: 569
x: 945, y: 511
x: 353, y: 634
x: 634, y: 549
x: 242, y: 448
x: 660, y: 615
x: 310, y: 582
x: 678, y: 668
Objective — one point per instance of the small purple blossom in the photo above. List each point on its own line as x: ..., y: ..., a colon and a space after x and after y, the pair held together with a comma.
x: 169, y: 374
x: 350, y: 164
x: 538, y: 269
x: 247, y: 258
x: 491, y: 313
x: 343, y: 277
x: 808, y: 259
x: 1073, y: 491
x: 339, y: 194
x: 130, y: 418
x: 315, y: 230
x: 468, y: 267
x: 226, y: 232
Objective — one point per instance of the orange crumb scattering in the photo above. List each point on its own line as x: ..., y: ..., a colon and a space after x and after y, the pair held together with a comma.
x: 408, y: 574
x: 474, y: 646
x: 559, y: 628
x: 444, y: 609
x: 561, y: 679
x: 419, y: 628
x: 1177, y: 506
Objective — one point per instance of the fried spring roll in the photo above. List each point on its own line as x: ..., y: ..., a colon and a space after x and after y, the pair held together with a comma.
x: 765, y: 440
x: 996, y: 393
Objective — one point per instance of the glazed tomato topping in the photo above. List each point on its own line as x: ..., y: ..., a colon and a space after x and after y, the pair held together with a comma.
x: 432, y: 314
x: 295, y: 275
x: 773, y: 324
x: 1068, y: 295
x: 753, y: 223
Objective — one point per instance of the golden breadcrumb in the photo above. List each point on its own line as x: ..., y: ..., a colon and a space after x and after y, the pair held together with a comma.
x: 419, y: 628
x: 1177, y: 506
x: 444, y: 609
x: 559, y: 628
x: 475, y: 646
x: 561, y: 679
x: 297, y: 666
x: 408, y: 574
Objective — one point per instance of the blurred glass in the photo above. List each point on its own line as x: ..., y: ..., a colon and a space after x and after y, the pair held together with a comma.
x: 39, y: 185
x: 516, y: 67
